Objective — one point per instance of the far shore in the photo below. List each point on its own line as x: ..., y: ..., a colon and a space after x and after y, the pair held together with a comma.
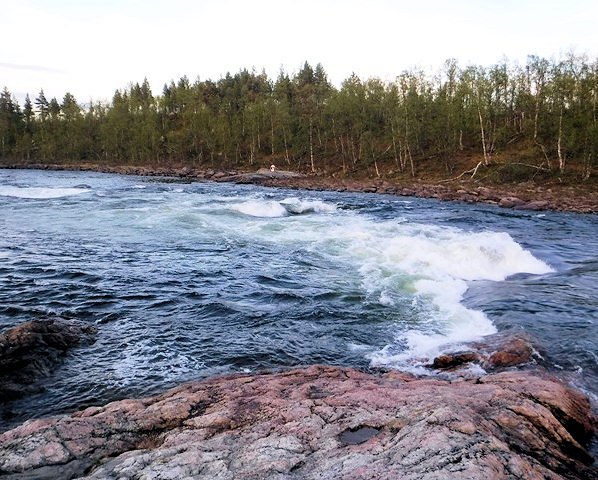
x: 577, y: 198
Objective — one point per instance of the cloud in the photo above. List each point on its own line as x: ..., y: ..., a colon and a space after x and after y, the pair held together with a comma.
x: 34, y: 68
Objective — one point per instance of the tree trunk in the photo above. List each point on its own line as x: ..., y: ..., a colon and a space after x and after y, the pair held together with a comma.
x: 311, y: 146
x: 272, y: 132
x: 286, y: 148
x: 558, y: 145
x: 353, y: 150
x: 394, y: 144
x: 484, y: 149
x: 537, y: 112
x: 343, y: 153
x: 411, y: 161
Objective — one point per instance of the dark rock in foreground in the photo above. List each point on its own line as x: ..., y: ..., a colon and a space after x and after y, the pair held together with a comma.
x: 319, y: 422
x: 31, y: 350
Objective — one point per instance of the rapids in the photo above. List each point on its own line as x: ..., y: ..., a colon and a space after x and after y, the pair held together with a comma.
x: 189, y: 280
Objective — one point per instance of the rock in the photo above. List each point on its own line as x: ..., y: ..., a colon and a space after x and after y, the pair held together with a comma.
x: 486, y: 193
x: 494, y: 352
x: 31, y: 350
x: 182, y: 172
x: 218, y: 175
x: 454, y: 360
x: 510, y: 202
x: 319, y: 422
x: 535, y: 205
x: 279, y: 173
x: 516, y: 351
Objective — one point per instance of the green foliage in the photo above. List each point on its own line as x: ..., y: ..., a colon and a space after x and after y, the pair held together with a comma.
x: 549, y: 109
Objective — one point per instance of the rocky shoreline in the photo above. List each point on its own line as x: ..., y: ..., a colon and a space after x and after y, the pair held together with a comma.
x: 522, y: 196
x: 319, y: 422
x: 313, y: 422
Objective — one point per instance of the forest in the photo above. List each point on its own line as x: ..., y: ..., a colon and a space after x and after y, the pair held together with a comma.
x: 539, y: 118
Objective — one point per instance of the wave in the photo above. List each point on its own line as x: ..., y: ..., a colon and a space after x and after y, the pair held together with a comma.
x: 296, y: 206
x: 417, y: 273
x: 261, y: 208
x: 282, y: 208
x: 425, y: 271
x: 39, y: 192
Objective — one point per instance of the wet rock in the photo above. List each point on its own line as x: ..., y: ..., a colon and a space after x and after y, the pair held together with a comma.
x: 493, y: 352
x: 31, y: 350
x: 515, y: 351
x: 454, y: 360
x: 355, y: 436
x: 509, y: 425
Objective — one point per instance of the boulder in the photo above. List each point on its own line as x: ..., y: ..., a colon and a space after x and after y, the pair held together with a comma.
x: 31, y: 350
x: 319, y: 422
x: 510, y: 202
x: 535, y: 205
x: 450, y: 361
x: 493, y: 353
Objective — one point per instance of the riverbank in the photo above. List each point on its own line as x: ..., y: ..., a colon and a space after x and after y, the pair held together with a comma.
x: 318, y: 422
x: 577, y: 198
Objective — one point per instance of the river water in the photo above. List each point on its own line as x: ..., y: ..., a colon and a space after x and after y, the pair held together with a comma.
x: 190, y: 280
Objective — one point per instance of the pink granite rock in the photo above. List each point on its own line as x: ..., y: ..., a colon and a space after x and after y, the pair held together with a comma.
x: 319, y: 422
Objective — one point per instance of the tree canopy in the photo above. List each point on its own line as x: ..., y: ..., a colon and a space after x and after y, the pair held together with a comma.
x: 542, y: 115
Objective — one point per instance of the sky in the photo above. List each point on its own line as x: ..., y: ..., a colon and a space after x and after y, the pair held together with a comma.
x: 92, y: 47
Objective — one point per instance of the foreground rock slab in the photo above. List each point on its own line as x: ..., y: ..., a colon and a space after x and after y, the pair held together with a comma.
x: 31, y: 350
x: 319, y: 422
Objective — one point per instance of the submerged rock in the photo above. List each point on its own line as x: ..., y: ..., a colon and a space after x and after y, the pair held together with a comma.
x: 31, y: 350
x: 319, y: 422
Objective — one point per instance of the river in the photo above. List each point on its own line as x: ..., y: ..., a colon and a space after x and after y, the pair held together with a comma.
x: 190, y: 280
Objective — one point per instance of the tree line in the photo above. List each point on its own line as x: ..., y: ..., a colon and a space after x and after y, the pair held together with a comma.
x: 541, y: 116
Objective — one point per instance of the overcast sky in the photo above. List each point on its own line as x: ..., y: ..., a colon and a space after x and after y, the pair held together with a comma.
x: 92, y: 47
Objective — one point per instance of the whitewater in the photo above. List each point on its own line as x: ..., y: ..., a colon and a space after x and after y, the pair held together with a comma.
x: 189, y: 280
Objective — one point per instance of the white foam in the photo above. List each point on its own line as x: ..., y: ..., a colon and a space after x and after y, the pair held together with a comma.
x: 282, y: 208
x: 435, y: 264
x: 297, y: 206
x: 261, y: 208
x: 39, y: 192
x: 418, y: 272
x: 435, y: 252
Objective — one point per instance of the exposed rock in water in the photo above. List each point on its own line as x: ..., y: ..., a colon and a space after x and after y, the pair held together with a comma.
x: 319, y: 422
x: 31, y: 350
x: 494, y: 352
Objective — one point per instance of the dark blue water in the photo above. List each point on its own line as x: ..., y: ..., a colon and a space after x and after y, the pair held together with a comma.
x: 185, y: 281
